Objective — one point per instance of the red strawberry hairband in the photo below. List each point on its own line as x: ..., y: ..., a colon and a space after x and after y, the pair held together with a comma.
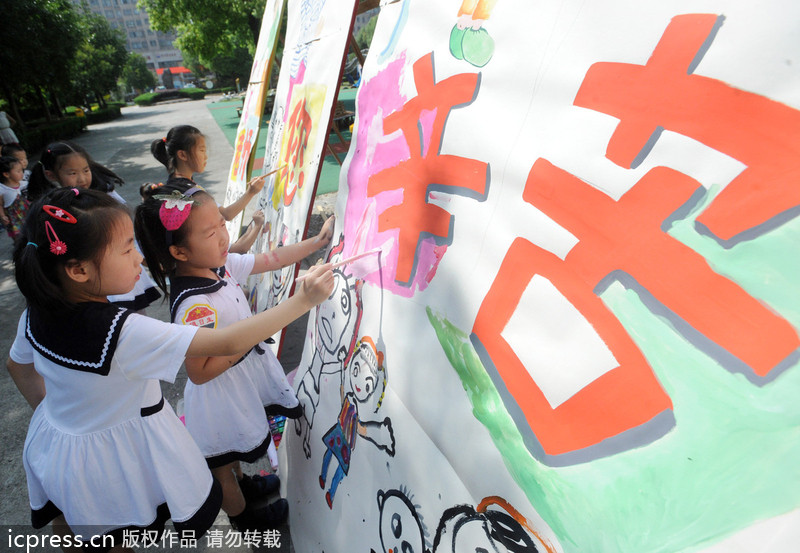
x: 175, y: 209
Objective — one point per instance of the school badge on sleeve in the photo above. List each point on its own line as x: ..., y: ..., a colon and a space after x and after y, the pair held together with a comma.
x: 200, y: 315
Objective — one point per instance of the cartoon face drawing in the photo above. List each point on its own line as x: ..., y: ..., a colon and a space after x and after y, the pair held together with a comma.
x: 334, y: 317
x: 363, y: 373
x: 494, y: 526
x: 401, y: 528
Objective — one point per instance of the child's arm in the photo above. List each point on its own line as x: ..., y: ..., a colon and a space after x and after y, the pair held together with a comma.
x: 28, y: 381
x: 202, y: 369
x: 217, y: 349
x: 253, y: 187
x: 288, y: 255
x: 3, y: 217
x: 245, y: 242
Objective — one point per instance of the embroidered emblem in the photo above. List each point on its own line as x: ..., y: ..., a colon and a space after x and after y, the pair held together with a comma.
x: 200, y: 314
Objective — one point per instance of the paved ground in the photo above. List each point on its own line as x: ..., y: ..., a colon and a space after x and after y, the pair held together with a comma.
x: 122, y: 145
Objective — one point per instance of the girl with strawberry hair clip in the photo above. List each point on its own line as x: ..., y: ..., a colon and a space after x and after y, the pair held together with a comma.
x: 227, y: 398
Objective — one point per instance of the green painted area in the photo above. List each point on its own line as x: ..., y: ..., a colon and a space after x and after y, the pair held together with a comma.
x: 224, y: 113
x: 731, y: 459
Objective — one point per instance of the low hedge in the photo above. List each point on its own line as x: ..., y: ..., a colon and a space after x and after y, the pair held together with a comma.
x: 102, y: 115
x: 146, y: 99
x: 192, y: 93
x: 150, y: 98
x: 223, y: 90
x: 40, y: 136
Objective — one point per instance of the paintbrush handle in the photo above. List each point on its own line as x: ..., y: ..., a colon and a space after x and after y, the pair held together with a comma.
x: 282, y: 167
x: 344, y: 262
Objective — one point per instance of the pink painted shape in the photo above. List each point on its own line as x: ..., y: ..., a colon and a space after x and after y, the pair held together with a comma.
x: 373, y: 152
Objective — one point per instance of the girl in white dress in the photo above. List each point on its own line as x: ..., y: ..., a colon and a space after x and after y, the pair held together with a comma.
x: 105, y: 456
x: 227, y: 416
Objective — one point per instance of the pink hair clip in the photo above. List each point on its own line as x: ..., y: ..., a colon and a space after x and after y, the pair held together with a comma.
x: 59, y: 213
x: 76, y: 191
x: 57, y: 246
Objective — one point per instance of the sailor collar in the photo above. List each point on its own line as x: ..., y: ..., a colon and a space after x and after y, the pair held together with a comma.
x: 85, y: 339
x: 187, y: 286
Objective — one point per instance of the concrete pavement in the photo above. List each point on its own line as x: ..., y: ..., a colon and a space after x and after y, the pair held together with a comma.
x: 124, y: 146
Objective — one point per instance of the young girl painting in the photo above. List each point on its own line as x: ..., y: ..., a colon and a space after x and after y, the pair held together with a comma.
x: 183, y: 237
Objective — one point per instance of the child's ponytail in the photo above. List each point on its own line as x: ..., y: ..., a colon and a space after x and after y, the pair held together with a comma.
x: 38, y: 183
x: 103, y: 178
x: 36, y: 280
x: 159, y: 150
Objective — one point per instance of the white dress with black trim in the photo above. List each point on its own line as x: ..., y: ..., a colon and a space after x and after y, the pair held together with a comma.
x: 227, y: 415
x: 103, y: 447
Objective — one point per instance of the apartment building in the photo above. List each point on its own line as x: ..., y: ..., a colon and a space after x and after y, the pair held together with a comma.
x: 156, y: 47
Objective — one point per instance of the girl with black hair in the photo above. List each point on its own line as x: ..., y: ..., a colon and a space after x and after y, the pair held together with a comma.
x: 105, y: 454
x: 68, y: 165
x: 184, y: 239
x: 17, y: 151
x: 13, y: 205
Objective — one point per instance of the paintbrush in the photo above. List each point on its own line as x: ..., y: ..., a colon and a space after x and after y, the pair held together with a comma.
x: 344, y: 262
x: 281, y: 168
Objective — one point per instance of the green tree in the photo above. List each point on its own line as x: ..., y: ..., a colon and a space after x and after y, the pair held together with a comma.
x: 136, y: 75
x: 37, y: 47
x: 207, y: 28
x: 100, y: 58
x: 364, y: 35
x: 233, y: 64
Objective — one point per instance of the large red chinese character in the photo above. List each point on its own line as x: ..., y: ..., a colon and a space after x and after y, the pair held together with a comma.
x: 299, y: 128
x: 244, y: 146
x: 623, y: 398
x: 627, y: 237
x: 414, y: 216
x: 761, y: 133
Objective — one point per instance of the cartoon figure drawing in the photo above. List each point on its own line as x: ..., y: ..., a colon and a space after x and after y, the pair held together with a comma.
x: 337, y: 321
x: 469, y: 41
x: 494, y: 525
x: 365, y: 374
